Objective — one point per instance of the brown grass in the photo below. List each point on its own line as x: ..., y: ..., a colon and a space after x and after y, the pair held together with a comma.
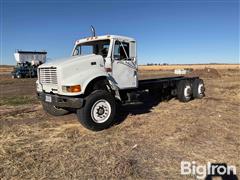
x: 146, y: 145
x: 6, y: 68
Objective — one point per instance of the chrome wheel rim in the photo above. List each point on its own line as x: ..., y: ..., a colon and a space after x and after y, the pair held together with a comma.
x: 187, y: 91
x: 101, y: 111
x: 200, y: 89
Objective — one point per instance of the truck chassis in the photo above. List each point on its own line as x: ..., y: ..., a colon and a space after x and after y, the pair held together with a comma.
x: 181, y: 87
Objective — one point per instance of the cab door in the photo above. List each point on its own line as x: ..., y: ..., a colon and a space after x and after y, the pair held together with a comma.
x: 124, y: 64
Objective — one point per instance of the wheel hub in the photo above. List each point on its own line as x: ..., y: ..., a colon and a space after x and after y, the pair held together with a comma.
x: 187, y: 91
x: 201, y: 89
x: 101, y: 111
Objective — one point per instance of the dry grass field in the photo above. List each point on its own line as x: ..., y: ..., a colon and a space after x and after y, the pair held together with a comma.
x: 148, y: 142
x: 5, y: 69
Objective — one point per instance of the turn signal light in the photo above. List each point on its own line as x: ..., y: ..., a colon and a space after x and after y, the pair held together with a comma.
x: 76, y: 88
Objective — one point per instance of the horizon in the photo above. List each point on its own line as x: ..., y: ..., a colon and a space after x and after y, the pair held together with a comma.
x: 176, y: 32
x: 155, y: 64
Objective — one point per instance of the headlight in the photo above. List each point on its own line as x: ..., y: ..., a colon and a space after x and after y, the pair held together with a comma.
x: 75, y: 88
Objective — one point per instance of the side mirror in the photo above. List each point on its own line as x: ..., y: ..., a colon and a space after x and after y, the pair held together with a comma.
x: 130, y: 59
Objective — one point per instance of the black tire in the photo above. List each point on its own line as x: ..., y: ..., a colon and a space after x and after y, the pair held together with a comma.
x: 50, y: 109
x: 198, y: 89
x: 182, y: 85
x: 86, y: 114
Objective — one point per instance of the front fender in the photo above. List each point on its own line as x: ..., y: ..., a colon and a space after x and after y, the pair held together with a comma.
x: 83, y: 79
x: 85, y: 84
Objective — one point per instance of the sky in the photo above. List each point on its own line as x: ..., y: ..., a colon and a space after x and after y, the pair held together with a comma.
x: 167, y: 31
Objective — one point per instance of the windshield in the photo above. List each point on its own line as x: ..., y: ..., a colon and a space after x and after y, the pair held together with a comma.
x: 94, y: 47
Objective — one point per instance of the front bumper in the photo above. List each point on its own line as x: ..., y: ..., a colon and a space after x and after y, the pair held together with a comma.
x: 61, y: 101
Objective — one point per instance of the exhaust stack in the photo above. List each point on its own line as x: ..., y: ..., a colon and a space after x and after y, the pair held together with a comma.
x: 93, y: 31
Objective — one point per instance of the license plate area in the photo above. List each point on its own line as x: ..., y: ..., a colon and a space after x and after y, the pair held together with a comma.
x: 48, y: 98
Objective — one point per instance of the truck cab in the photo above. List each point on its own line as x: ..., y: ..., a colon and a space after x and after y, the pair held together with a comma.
x: 100, y: 73
x: 108, y: 57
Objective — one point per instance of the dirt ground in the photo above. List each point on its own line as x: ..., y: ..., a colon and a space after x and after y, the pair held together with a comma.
x: 148, y: 142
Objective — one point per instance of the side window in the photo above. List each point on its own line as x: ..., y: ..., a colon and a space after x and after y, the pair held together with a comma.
x: 121, y: 51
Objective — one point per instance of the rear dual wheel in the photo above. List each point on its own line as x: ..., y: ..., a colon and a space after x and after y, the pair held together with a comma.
x: 198, y: 88
x: 186, y: 91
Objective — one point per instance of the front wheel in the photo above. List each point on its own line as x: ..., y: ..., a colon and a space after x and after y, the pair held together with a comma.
x: 53, y: 110
x: 98, y: 112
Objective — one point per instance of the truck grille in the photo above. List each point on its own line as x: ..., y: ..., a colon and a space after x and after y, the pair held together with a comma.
x: 48, y: 75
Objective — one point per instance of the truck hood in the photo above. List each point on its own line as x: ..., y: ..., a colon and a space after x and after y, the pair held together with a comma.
x: 68, y: 60
x: 75, y: 70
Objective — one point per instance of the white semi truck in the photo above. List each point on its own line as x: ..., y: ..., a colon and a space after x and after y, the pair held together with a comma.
x: 102, y: 72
